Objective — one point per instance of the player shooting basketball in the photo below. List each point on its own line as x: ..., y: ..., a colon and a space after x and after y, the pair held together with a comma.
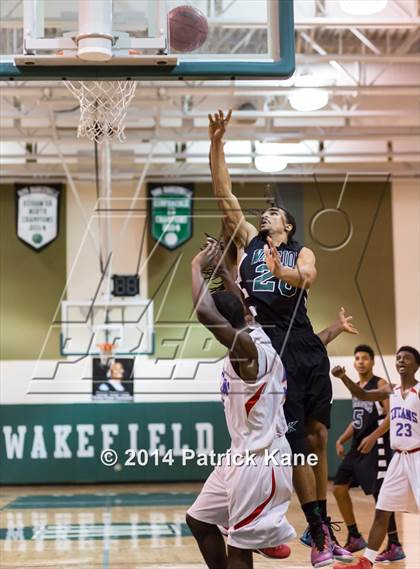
x: 275, y: 273
x: 250, y: 501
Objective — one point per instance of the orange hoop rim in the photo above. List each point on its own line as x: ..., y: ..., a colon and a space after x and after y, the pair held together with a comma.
x: 107, y: 347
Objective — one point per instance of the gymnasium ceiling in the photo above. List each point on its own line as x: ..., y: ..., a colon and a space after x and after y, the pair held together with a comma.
x: 370, y: 125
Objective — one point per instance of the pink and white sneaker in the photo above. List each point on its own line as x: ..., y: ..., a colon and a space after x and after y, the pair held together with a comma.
x: 393, y: 553
x: 338, y: 552
x: 354, y: 544
x: 321, y: 551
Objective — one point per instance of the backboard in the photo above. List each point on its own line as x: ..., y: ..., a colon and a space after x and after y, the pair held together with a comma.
x: 128, y: 324
x: 45, y: 40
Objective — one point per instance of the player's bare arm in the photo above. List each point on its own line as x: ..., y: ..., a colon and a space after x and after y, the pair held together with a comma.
x: 223, y: 268
x: 241, y: 230
x: 302, y: 276
x: 243, y: 351
x: 342, y: 324
x: 226, y: 256
x: 371, y: 395
x: 342, y: 439
x: 369, y: 442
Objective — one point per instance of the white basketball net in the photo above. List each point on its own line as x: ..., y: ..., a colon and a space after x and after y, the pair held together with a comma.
x: 103, y: 107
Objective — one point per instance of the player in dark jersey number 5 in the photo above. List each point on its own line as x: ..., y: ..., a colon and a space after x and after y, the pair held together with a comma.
x: 275, y: 273
x: 367, y: 461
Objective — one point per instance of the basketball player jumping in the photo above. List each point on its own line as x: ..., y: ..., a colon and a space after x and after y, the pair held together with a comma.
x: 275, y: 273
x: 249, y: 499
x: 400, y: 491
x: 367, y: 461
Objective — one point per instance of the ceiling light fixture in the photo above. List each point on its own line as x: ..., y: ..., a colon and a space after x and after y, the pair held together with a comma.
x: 270, y: 164
x: 312, y: 97
x: 362, y: 7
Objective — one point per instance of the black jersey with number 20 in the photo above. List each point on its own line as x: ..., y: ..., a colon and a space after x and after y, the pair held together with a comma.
x: 269, y: 299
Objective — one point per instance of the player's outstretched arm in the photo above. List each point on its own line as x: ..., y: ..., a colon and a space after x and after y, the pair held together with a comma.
x: 237, y: 227
x: 342, y: 324
x: 357, y: 391
x: 302, y: 276
x: 242, y: 348
x: 225, y: 263
x: 367, y: 444
x: 225, y: 267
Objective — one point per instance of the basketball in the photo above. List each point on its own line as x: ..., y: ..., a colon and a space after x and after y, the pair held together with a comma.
x: 188, y: 28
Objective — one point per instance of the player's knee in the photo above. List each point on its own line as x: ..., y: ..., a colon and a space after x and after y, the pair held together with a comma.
x: 197, y: 528
x: 193, y: 524
x: 381, y: 516
x: 317, y: 436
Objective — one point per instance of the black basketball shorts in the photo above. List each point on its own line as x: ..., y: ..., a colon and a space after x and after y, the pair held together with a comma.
x: 309, y: 390
x: 359, y: 469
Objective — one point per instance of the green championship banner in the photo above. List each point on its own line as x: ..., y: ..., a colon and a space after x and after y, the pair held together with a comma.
x: 171, y: 214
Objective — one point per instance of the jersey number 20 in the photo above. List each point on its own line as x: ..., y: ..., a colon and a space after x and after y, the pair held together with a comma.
x: 263, y: 282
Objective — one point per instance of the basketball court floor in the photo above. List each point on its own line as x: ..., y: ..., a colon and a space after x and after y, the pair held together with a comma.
x: 139, y: 526
x: 106, y: 196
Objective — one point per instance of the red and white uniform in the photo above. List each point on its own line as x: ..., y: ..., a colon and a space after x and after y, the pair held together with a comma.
x: 250, y: 500
x: 400, y: 490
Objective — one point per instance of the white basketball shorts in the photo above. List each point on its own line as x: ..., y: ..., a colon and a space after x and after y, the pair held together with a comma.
x: 249, y: 502
x: 400, y: 490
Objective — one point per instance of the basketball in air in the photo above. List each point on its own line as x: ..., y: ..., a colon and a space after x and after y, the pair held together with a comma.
x: 188, y: 28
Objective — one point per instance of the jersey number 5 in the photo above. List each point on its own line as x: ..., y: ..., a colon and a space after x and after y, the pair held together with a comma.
x: 263, y: 282
x: 358, y: 418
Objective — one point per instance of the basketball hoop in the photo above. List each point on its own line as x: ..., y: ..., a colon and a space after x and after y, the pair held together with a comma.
x: 106, y: 352
x: 103, y: 107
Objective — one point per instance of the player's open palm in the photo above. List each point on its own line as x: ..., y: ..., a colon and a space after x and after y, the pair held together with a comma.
x: 207, y: 256
x: 217, y: 125
x: 272, y: 257
x: 346, y: 322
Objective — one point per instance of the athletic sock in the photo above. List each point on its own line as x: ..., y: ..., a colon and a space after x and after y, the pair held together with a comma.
x: 323, y: 508
x: 370, y: 555
x: 312, y: 512
x: 392, y: 532
x: 353, y: 531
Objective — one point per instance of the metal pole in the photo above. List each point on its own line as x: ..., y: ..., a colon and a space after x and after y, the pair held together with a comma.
x: 94, y: 40
x: 33, y: 20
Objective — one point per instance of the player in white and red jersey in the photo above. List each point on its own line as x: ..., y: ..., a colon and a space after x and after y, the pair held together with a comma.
x: 247, y: 496
x: 400, y: 491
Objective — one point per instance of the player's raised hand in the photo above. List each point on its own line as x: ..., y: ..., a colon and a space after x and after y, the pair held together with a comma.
x: 338, y: 371
x: 346, y: 324
x: 217, y: 125
x: 339, y: 448
x: 272, y: 258
x: 219, y: 259
x: 207, y: 256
